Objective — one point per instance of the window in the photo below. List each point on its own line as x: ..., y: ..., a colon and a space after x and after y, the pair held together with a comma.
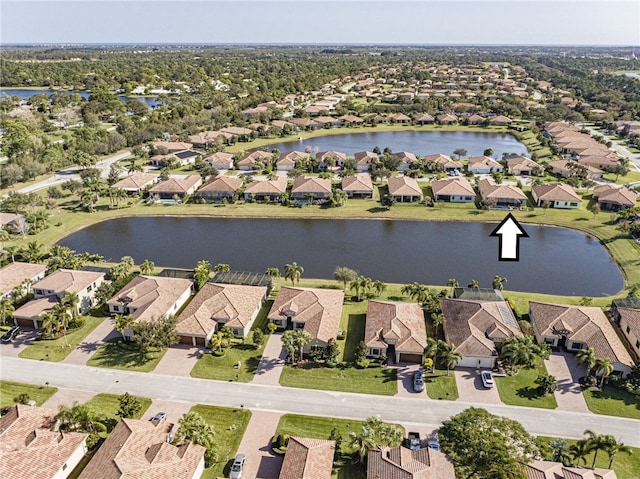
x: 549, y: 341
x: 375, y: 352
x: 89, y: 288
x: 638, y: 344
x: 64, y: 466
x: 628, y: 328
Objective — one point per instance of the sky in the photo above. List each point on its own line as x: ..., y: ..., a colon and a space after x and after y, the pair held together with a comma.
x: 428, y: 22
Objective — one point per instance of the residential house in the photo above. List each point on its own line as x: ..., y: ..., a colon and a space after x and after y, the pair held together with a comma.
x: 400, y: 462
x: 424, y: 119
x: 282, y: 125
x: 288, y: 161
x: 137, y: 182
x: 207, y: 139
x: 404, y: 189
x: 601, y: 162
x: 365, y: 160
x: 522, y: 166
x: 629, y: 321
x: 34, y: 448
x: 567, y: 168
x: 220, y: 305
x: 306, y: 188
x: 220, y: 160
x: 475, y: 119
x: 358, y: 186
x: 176, y: 188
x: 350, y: 120
x: 500, y: 120
x: 400, y: 118
x: 306, y: 123
x: 13, y: 222
x: 612, y: 197
x: 242, y: 134
x: 447, y: 119
x: 579, y: 327
x: 557, y: 470
x: 148, y: 298
x: 186, y: 157
x: 329, y: 159
x: 396, y: 330
x: 316, y: 311
x: 19, y: 274
x: 483, y: 165
x: 172, y: 146
x: 476, y: 328
x: 448, y: 165
x: 453, y: 190
x: 219, y: 188
x: 256, y: 159
x: 141, y: 449
x: 556, y: 195
x: 268, y: 191
x: 308, y: 459
x: 328, y: 121
x: 406, y: 160
x: 493, y: 194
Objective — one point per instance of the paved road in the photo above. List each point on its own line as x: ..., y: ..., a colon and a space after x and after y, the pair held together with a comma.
x: 304, y: 401
x: 618, y: 148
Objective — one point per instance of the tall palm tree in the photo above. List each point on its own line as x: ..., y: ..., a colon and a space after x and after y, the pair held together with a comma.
x: 596, y: 443
x: 613, y: 448
x: 603, y: 368
x: 587, y: 357
x: 473, y: 284
x: 71, y: 300
x: 379, y: 287
x: 147, y: 267
x: 293, y: 272
x: 560, y: 451
x: 273, y: 272
x: 580, y: 450
x: 121, y: 323
x: 49, y: 324
x: 449, y: 356
x: 453, y: 283
x: 416, y: 291
x: 345, y: 275
x: 438, y: 320
x: 62, y: 317
x: 221, y: 267
x: 433, y: 349
x: 6, y: 309
x: 498, y: 282
x: 520, y: 350
x: 33, y: 252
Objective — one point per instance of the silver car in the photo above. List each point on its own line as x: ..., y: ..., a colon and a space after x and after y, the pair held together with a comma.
x: 236, y: 468
x: 487, y: 379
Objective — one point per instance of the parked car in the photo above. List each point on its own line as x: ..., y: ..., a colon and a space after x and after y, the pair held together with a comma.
x: 487, y: 379
x: 236, y: 468
x: 11, y: 334
x: 159, y: 417
x: 413, y: 441
x: 418, y: 381
x: 433, y: 444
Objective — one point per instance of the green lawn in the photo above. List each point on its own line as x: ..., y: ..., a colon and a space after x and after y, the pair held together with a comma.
x: 319, y: 428
x: 10, y: 390
x: 229, y: 425
x: 520, y: 389
x: 118, y: 355
x: 441, y: 386
x: 57, y: 349
x: 108, y: 405
x: 626, y: 466
x: 612, y: 402
x: 373, y: 380
x: 224, y: 367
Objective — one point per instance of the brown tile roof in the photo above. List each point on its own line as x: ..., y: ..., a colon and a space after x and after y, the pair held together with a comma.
x: 304, y: 122
x: 222, y: 183
x: 445, y: 117
x: 29, y: 448
x: 152, y: 296
x: 311, y: 184
x: 205, y: 137
x: 357, y: 183
x: 556, y: 470
x: 138, y: 449
x: 319, y: 309
x: 220, y: 157
x: 483, y: 161
x: 562, y: 166
x: 444, y: 160
x: 521, y: 163
x: 403, y: 186
x: 336, y: 155
x: 6, y: 218
x: 276, y: 186
x: 406, y: 156
x: 473, y: 325
x: 617, y: 194
x: 184, y: 184
x: 600, y: 161
x: 291, y: 158
x: 402, y: 463
x: 453, y: 186
x: 136, y: 181
x: 173, y: 145
x: 490, y: 190
x: 555, y: 192
x: 68, y: 281
x: 229, y: 303
x: 365, y: 157
x: 236, y: 130
x: 632, y: 318
x: 251, y: 158
x: 308, y: 459
x: 585, y: 324
x: 403, y: 323
x: 500, y: 119
x: 15, y: 273
x: 36, y: 307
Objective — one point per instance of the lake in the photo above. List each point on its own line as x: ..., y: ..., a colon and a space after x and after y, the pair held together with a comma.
x: 553, y: 260
x: 419, y: 142
x: 24, y: 94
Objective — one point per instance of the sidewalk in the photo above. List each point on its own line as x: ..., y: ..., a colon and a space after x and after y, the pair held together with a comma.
x: 271, y: 363
x: 87, y: 348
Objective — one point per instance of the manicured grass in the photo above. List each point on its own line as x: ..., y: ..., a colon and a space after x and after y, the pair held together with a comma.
x: 612, y: 402
x: 373, y: 380
x: 118, y: 355
x: 229, y: 425
x: 521, y: 390
x: 441, y: 386
x: 10, y: 390
x: 224, y: 367
x: 108, y: 405
x: 57, y: 349
x: 626, y: 466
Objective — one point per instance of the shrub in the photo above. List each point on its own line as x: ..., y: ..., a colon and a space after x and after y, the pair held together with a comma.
x: 22, y: 398
x: 363, y: 363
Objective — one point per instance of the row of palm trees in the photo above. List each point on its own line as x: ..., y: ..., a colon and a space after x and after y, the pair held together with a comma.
x: 57, y: 320
x: 596, y: 367
x: 593, y: 443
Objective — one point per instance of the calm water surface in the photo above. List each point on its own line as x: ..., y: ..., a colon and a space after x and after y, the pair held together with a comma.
x: 21, y: 93
x: 552, y: 260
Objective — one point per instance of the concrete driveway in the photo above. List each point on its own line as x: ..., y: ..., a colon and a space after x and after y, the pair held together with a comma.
x: 174, y: 409
x: 96, y: 338
x: 66, y: 397
x: 256, y: 444
x: 271, y: 362
x: 567, y: 372
x: 405, y: 380
x: 15, y: 347
x: 470, y: 388
x: 179, y: 360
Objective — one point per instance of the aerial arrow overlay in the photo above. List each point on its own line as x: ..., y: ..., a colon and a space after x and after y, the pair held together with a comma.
x: 509, y: 232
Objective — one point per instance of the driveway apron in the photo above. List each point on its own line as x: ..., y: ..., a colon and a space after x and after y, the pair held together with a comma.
x: 87, y: 348
x: 179, y: 360
x: 567, y: 372
x: 405, y: 380
x: 18, y: 344
x: 271, y: 363
x: 262, y: 463
x: 470, y: 388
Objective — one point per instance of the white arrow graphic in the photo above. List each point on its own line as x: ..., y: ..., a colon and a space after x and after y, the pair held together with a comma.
x: 509, y: 232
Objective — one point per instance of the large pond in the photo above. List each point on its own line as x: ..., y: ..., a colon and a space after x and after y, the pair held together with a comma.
x: 419, y: 142
x: 552, y: 260
x: 27, y: 93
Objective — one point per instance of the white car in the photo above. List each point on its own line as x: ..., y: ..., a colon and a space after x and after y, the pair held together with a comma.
x: 487, y: 379
x: 236, y: 468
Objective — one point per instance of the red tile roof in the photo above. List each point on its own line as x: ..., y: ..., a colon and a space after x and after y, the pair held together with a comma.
x: 402, y: 463
x: 308, y: 459
x: 401, y: 324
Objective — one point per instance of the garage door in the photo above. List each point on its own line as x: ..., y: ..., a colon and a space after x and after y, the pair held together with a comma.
x: 410, y: 358
x: 186, y: 340
x: 24, y: 322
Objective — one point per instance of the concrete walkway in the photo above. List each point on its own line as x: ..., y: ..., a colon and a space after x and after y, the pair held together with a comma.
x: 174, y: 410
x: 179, y: 360
x: 261, y: 462
x: 96, y: 338
x: 567, y: 372
x: 271, y: 363
x: 470, y: 388
x: 66, y: 397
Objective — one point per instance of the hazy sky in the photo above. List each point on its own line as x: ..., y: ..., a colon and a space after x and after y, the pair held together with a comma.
x: 522, y: 22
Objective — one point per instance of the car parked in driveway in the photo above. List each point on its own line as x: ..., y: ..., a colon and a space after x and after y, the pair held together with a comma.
x: 159, y: 417
x: 418, y: 381
x: 11, y: 334
x: 413, y: 441
x: 487, y: 379
x: 237, y: 466
x: 433, y: 444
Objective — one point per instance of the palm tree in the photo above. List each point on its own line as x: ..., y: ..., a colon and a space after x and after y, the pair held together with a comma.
x: 520, y: 350
x: 597, y: 442
x: 49, y: 324
x: 560, y: 451
x: 294, y: 342
x: 273, y: 272
x: 202, y: 273
x: 221, y: 267
x: 449, y: 356
x: 6, y: 309
x: 438, y: 320
x: 603, y: 368
x: 62, y: 317
x: 498, y: 282
x: 473, y: 284
x: 416, y: 291
x: 122, y: 322
x: 147, y: 267
x: 33, y: 252
x: 344, y: 274
x: 71, y: 300
x: 293, y: 272
x: 11, y: 251
x: 433, y: 349
x: 580, y: 450
x: 453, y: 283
x: 379, y: 287
x: 587, y: 357
x: 613, y: 448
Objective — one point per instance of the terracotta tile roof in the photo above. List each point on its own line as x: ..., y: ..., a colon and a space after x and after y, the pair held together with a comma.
x: 453, y: 186
x: 400, y: 322
x: 403, y: 186
x: 138, y: 449
x: 402, y: 463
x: 311, y: 184
x: 222, y: 183
x: 184, y: 185
x: 15, y: 273
x: 236, y: 130
x: 473, y: 325
x: 281, y: 124
x: 36, y: 307
x: 336, y: 155
x: 204, y: 137
x: 173, y: 145
x: 617, y: 194
x: 444, y: 160
x: 445, y: 117
x: 219, y: 157
x: 486, y: 161
x: 406, y: 156
x: 319, y: 309
x: 490, y: 190
x: 307, y: 122
x: 357, y: 183
x: 136, y: 181
x: 555, y: 192
x: 151, y: 296
x: 521, y: 163
x: 276, y: 186
x: 251, y: 158
x: 632, y: 318
x: 30, y: 449
x: 600, y: 161
x: 555, y: 470
x: 291, y: 158
x: 68, y: 281
x: 585, y: 324
x: 229, y: 303
x: 500, y: 119
x: 308, y: 459
x: 562, y: 166
x: 365, y: 157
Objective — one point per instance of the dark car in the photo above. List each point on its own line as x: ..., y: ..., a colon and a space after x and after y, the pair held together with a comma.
x: 413, y: 441
x: 11, y: 334
x: 159, y: 417
x: 418, y: 381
